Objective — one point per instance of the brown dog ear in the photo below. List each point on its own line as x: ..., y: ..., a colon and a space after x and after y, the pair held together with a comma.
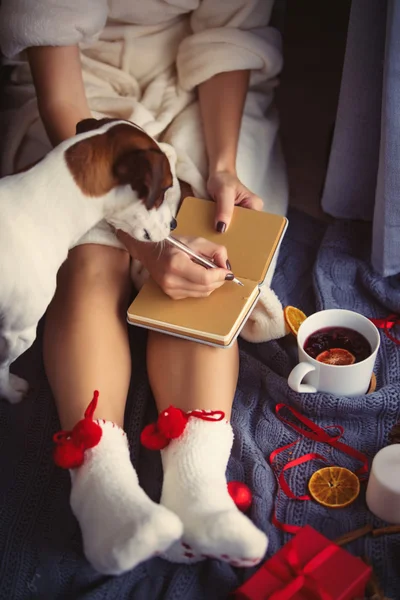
x: 90, y: 124
x: 147, y: 172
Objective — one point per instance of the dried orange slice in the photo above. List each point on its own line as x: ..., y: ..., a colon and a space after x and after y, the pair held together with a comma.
x: 334, y: 487
x: 336, y: 356
x: 372, y: 385
x: 294, y: 318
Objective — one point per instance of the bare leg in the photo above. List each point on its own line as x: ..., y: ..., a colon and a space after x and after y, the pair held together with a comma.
x: 189, y: 375
x: 86, y: 348
x: 85, y: 339
x: 193, y: 376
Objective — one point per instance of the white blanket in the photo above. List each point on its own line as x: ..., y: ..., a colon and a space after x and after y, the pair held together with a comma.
x: 147, y: 72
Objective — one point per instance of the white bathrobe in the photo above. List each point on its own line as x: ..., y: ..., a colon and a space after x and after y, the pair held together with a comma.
x: 142, y: 60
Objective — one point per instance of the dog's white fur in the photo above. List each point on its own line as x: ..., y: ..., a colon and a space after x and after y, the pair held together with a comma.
x: 43, y: 213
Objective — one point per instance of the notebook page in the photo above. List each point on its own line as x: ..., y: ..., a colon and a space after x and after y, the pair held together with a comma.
x: 251, y: 239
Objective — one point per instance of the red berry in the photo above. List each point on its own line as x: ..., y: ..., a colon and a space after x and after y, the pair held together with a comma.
x: 240, y: 494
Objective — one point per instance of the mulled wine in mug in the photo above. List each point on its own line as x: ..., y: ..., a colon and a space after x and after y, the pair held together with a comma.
x: 337, y: 350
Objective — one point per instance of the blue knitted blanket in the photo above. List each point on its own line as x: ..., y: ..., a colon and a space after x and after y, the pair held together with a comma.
x: 40, y: 547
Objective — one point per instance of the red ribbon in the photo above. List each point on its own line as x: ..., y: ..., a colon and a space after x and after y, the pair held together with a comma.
x: 387, y: 323
x: 213, y: 415
x: 317, y: 434
x: 303, y: 576
x: 171, y: 424
x: 293, y: 463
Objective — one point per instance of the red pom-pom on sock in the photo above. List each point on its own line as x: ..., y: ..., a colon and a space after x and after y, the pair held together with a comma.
x: 172, y: 422
x: 87, y: 433
x: 152, y: 438
x: 67, y: 455
x: 240, y: 494
x: 69, y: 452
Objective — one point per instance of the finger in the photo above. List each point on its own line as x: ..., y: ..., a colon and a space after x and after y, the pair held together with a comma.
x: 252, y: 202
x: 220, y: 257
x: 214, y: 252
x: 183, y: 273
x: 225, y: 202
x: 203, y: 277
x: 182, y: 288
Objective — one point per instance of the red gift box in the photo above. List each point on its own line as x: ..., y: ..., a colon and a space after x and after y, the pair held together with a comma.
x: 309, y: 567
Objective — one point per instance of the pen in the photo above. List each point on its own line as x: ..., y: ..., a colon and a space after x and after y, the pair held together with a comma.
x: 205, y: 262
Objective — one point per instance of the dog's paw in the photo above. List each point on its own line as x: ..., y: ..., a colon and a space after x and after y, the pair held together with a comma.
x: 18, y: 384
x: 16, y: 390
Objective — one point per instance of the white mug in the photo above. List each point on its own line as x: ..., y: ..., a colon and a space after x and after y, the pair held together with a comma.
x: 340, y: 380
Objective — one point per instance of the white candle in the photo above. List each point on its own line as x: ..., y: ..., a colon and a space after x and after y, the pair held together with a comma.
x: 383, y: 490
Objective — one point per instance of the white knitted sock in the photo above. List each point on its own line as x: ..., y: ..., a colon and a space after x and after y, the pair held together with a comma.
x: 195, y: 489
x: 120, y: 525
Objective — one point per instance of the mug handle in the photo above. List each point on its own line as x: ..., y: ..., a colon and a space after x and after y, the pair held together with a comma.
x: 297, y: 375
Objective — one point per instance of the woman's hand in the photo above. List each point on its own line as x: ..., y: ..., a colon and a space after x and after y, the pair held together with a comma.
x: 222, y: 99
x: 227, y: 191
x: 175, y: 272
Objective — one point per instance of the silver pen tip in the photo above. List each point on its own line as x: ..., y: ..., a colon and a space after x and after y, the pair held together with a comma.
x: 239, y: 282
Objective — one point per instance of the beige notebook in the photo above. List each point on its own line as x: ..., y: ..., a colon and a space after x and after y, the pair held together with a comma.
x: 252, y: 240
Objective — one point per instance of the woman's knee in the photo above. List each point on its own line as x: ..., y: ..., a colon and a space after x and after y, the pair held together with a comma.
x: 99, y: 273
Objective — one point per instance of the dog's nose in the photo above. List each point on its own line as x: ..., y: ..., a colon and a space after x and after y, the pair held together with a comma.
x: 173, y: 224
x: 146, y: 235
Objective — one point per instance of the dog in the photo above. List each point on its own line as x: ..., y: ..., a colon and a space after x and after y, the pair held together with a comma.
x: 110, y: 170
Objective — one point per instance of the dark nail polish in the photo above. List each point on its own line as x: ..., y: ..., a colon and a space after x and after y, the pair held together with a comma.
x: 221, y: 226
x: 229, y: 277
x: 228, y: 265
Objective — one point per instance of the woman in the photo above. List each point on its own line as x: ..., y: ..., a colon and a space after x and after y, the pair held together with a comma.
x: 199, y: 76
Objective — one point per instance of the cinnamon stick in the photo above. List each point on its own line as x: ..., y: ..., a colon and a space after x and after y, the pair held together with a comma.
x: 386, y: 530
x: 351, y: 536
x: 373, y: 591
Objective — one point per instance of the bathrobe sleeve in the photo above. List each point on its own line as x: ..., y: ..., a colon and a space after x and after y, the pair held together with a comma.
x: 26, y: 23
x: 229, y: 35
